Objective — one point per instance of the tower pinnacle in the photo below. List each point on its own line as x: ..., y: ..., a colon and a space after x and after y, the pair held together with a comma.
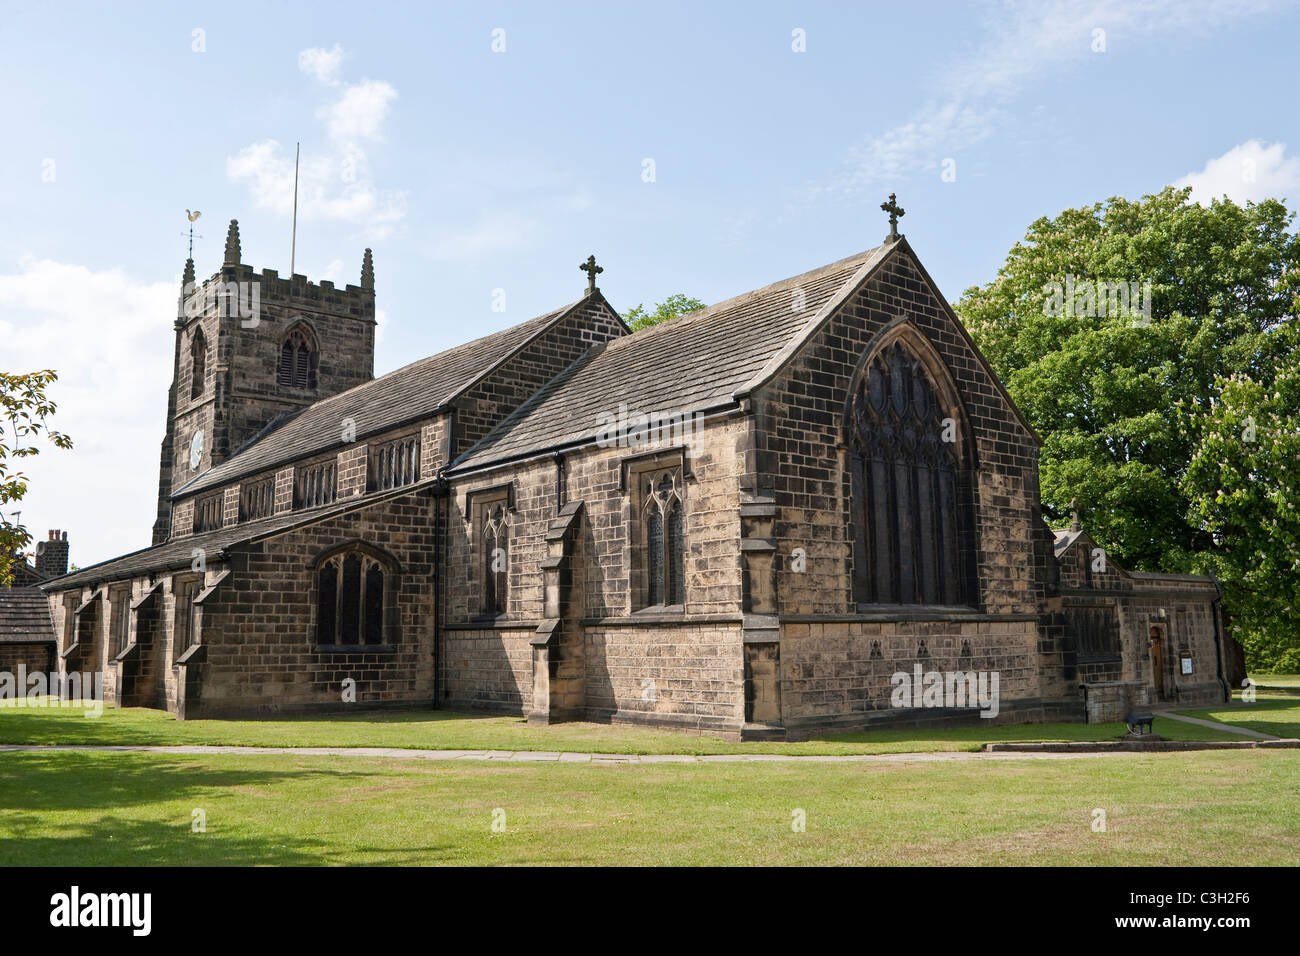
x: 232, y: 244
x: 368, y: 271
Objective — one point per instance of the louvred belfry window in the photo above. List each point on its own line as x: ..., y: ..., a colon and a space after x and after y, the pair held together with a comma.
x: 911, y: 487
x: 298, y: 359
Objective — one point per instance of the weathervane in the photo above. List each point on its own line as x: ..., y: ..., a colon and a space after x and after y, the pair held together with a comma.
x: 192, y: 216
x: 894, y: 210
x: 592, y: 271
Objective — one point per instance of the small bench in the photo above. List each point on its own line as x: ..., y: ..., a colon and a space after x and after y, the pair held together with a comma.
x: 1139, y: 724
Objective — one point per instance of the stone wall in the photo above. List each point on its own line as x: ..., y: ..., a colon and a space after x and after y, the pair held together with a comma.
x: 689, y: 677
x: 1109, y: 701
x: 691, y: 663
x: 837, y: 673
x: 835, y: 663
x: 800, y: 434
x: 487, y: 668
x: 34, y: 657
x: 500, y: 392
x: 258, y: 628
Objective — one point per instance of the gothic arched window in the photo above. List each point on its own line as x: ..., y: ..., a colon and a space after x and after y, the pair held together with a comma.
x: 911, y: 490
x: 661, y: 537
x: 495, y: 555
x: 298, y: 359
x: 198, y: 363
x: 351, y: 600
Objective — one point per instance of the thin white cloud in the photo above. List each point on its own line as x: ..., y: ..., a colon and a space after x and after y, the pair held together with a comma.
x: 1251, y: 171
x: 335, y: 179
x: 108, y: 335
x: 321, y: 63
x: 1021, y: 41
x: 335, y: 186
x: 359, y: 113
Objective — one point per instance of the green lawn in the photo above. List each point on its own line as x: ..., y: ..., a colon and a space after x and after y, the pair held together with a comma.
x: 1276, y: 715
x: 442, y: 730
x: 1204, y: 808
x: 1276, y: 683
x: 1275, y: 710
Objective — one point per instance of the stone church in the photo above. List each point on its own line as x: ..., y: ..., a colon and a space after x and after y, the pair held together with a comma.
x: 747, y: 521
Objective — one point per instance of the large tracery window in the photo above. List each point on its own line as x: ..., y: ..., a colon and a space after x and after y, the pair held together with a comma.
x: 911, y: 494
x: 298, y: 359
x: 350, y: 598
x: 661, y: 537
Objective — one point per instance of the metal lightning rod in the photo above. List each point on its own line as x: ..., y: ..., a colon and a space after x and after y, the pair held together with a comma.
x: 293, y: 243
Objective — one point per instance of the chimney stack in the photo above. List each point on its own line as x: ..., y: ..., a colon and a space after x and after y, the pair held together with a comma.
x: 52, y: 555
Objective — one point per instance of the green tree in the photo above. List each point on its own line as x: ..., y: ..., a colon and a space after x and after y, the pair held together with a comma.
x: 670, y: 308
x: 1242, y: 482
x: 1121, y: 397
x: 24, y: 409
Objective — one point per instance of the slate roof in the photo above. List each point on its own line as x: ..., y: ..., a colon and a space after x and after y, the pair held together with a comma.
x: 1063, y: 540
x: 411, y: 392
x: 25, y: 617
x: 693, y: 363
x: 23, y: 573
x: 178, y: 552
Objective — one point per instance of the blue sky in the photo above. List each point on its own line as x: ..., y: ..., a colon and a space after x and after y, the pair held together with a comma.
x: 469, y: 170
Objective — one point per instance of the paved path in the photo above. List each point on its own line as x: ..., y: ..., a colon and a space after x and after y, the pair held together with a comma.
x: 551, y: 756
x: 1215, y: 725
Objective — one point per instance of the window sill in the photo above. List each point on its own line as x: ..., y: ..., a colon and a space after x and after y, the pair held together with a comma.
x: 488, y: 623
x: 660, y: 612
x: 355, y: 649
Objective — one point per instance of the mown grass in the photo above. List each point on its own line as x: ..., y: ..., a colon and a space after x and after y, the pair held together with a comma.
x: 443, y: 730
x: 1269, y: 714
x: 94, y: 808
x: 1275, y: 709
x: 1277, y: 683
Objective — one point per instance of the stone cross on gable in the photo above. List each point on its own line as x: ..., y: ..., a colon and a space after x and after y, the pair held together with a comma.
x: 1074, y: 511
x: 592, y: 271
x: 894, y: 210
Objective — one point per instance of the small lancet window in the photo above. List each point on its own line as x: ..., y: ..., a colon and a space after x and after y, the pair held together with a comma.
x: 495, y: 557
x: 198, y: 363
x: 661, y: 515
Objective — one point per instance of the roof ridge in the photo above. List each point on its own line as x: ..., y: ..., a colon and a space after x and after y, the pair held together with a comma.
x: 710, y: 311
x: 532, y: 328
x: 429, y: 358
x: 535, y: 399
x: 556, y: 316
x: 870, y: 261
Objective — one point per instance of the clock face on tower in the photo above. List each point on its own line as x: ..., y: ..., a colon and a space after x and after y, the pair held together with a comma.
x: 196, y: 449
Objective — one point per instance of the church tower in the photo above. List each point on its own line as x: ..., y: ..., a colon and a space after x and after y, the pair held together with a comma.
x: 252, y: 348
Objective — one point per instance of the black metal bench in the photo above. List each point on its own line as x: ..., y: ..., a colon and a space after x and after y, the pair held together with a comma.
x: 1139, y: 724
